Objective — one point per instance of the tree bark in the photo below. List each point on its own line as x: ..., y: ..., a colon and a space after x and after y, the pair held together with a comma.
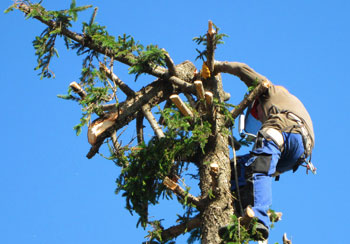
x: 219, y: 209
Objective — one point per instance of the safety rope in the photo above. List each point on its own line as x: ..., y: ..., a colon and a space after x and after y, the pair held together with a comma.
x: 236, y: 174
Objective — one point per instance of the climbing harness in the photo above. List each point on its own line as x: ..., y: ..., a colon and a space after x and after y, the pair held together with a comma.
x: 307, y: 141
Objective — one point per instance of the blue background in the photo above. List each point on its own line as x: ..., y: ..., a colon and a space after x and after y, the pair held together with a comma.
x: 51, y: 193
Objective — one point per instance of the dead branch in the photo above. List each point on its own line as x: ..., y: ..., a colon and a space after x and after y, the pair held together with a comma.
x: 170, y: 64
x: 210, y: 46
x: 92, y: 20
x: 139, y: 127
x: 183, y: 85
x: 153, y: 122
x: 124, y: 87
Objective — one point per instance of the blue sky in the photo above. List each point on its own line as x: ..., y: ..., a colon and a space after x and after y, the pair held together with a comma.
x: 51, y: 193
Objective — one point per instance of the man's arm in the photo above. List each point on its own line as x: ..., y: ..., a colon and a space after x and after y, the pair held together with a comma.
x: 243, y: 71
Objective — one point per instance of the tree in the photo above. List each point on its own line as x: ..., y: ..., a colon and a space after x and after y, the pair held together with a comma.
x: 192, y: 132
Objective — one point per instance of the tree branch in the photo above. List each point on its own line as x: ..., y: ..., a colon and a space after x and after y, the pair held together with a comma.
x: 260, y: 89
x: 139, y: 127
x: 186, y: 86
x: 78, y: 89
x: 87, y: 42
x: 152, y: 94
x: 153, y: 122
x: 172, y: 185
x: 210, y: 46
x: 177, y: 230
x: 170, y: 64
x: 124, y: 87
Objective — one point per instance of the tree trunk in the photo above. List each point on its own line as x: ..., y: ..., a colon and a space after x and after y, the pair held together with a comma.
x: 219, y: 208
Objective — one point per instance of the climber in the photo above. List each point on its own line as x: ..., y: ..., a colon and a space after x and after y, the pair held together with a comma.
x: 284, y: 141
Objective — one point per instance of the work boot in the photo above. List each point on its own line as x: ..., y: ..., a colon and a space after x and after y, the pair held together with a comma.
x: 261, y: 232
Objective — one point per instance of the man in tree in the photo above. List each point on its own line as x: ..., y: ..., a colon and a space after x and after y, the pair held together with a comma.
x: 284, y: 141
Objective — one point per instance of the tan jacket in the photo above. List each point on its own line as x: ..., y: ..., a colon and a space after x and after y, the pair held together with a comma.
x: 275, y: 102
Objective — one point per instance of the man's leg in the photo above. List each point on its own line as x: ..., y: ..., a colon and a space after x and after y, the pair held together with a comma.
x: 259, y: 170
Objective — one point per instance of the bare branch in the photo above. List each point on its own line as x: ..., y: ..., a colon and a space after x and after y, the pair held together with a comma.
x: 210, y: 46
x: 139, y: 127
x: 170, y: 64
x: 124, y: 87
x: 92, y: 20
x: 182, y: 84
x: 153, y: 122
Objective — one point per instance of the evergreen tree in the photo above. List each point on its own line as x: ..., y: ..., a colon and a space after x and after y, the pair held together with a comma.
x: 192, y: 126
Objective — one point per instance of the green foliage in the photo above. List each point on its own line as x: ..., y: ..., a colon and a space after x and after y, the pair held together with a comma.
x: 145, y: 167
x: 202, y: 40
x: 238, y: 234
x: 195, y: 235
x: 147, y: 59
x: 44, y: 44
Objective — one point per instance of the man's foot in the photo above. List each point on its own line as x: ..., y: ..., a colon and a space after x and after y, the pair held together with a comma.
x: 258, y: 232
x: 261, y: 232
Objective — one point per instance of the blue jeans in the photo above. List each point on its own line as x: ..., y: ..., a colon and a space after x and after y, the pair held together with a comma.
x: 258, y: 167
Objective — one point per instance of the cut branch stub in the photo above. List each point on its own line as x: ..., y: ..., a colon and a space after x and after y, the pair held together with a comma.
x: 181, y: 105
x: 285, y: 239
x: 78, y: 89
x: 199, y: 89
x: 209, y: 98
